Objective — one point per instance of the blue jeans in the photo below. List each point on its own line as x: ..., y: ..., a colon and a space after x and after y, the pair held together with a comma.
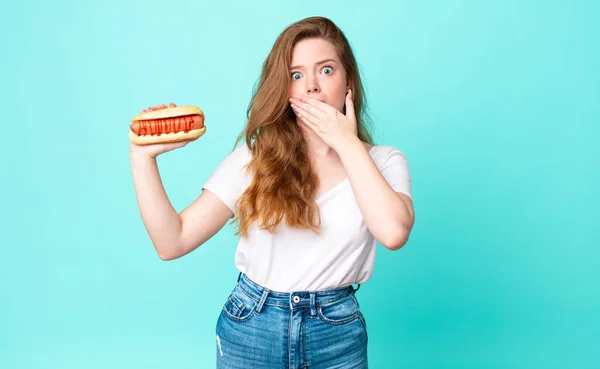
x: 259, y: 328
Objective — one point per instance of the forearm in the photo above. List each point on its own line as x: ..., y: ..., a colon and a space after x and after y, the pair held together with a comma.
x: 385, y: 213
x: 161, y: 220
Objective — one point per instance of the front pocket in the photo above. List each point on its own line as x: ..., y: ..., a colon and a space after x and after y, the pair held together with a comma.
x: 239, y: 307
x: 342, y: 311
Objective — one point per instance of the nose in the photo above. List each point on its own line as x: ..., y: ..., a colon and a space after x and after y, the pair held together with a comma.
x: 313, y: 89
x: 313, y: 85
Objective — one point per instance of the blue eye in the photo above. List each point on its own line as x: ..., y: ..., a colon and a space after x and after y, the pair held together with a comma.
x: 328, y: 68
x: 294, y: 75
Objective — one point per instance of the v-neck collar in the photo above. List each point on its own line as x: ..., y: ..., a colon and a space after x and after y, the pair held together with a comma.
x: 334, y: 189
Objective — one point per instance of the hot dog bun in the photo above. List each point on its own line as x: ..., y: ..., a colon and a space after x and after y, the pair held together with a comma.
x: 175, y: 124
x: 176, y: 111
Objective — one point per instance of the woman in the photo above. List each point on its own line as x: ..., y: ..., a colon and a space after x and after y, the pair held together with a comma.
x: 311, y: 195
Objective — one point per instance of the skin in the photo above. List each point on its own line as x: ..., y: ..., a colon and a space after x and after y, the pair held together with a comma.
x: 326, y: 81
x: 317, y: 96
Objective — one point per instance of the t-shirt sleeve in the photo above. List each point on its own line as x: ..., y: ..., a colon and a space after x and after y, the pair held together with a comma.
x: 229, y: 181
x: 396, y: 171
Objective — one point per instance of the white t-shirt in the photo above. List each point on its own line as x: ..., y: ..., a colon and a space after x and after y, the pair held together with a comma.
x: 291, y: 259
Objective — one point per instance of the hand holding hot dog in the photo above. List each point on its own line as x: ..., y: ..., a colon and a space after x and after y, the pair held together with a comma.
x: 161, y: 129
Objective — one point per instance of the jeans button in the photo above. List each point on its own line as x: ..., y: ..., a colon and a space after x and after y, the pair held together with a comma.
x: 296, y: 299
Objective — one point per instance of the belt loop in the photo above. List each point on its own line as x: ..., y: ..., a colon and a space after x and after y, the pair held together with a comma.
x: 239, y: 276
x: 262, y: 300
x: 313, y: 307
x: 357, y: 287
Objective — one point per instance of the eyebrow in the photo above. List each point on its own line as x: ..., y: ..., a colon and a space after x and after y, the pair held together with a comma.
x: 317, y: 63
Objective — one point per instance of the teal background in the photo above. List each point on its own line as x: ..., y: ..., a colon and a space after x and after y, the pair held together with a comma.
x: 495, y: 104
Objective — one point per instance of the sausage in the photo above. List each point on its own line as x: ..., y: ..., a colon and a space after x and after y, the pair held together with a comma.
x: 153, y: 127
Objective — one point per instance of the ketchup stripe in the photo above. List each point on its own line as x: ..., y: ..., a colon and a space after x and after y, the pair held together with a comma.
x: 166, y: 125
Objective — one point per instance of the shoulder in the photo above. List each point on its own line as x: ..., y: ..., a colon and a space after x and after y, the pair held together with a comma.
x: 240, y: 156
x: 233, y: 164
x: 393, y: 165
x: 383, y: 154
x: 230, y: 174
x: 242, y: 151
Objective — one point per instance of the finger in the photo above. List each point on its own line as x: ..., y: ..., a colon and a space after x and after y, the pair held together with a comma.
x: 308, y: 108
x: 308, y: 123
x: 143, y: 111
x: 318, y: 104
x: 299, y: 110
x: 309, y: 118
x: 172, y: 105
x: 350, y: 106
x: 161, y: 106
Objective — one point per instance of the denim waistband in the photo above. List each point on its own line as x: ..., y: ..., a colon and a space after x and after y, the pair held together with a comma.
x: 298, y: 299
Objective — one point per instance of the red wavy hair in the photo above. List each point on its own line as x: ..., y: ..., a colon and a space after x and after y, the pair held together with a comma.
x: 284, y: 184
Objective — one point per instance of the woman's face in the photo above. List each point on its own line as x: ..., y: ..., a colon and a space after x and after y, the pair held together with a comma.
x: 316, y: 71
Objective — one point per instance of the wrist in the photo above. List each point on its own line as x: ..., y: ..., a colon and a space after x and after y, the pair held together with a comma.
x: 141, y: 157
x: 348, y: 145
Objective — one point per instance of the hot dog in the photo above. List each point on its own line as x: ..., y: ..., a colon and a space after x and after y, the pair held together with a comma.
x: 173, y: 124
